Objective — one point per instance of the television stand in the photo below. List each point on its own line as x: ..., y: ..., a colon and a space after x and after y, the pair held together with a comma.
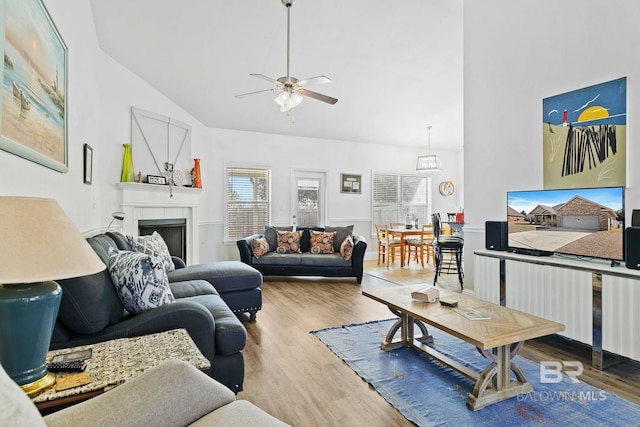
x: 532, y: 252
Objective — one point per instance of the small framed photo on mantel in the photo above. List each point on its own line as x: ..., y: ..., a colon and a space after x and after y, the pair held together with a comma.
x: 350, y: 183
x: 155, y: 179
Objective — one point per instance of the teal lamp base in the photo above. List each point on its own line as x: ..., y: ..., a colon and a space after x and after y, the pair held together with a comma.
x: 27, y: 315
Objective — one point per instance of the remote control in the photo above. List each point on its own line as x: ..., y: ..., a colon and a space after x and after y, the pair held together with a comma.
x: 75, y: 366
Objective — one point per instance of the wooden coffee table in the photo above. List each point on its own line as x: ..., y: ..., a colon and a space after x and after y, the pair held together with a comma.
x: 499, y: 339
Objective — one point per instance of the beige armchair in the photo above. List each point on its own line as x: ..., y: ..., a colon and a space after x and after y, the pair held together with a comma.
x: 172, y: 394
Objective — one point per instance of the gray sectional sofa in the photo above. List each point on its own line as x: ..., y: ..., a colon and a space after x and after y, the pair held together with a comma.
x: 91, y: 311
x: 305, y: 263
x: 237, y: 283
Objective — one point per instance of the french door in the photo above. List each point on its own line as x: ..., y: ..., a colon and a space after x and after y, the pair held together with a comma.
x: 308, y: 198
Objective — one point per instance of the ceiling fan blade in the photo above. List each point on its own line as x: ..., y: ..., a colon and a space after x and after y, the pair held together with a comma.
x: 263, y: 77
x: 318, y: 96
x: 314, y: 81
x: 242, y: 95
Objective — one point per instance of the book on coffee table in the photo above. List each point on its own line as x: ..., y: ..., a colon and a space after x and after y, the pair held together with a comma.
x: 471, y: 313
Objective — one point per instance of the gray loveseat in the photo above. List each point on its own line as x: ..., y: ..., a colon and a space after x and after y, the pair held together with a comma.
x: 305, y: 263
x: 91, y: 311
x: 171, y: 394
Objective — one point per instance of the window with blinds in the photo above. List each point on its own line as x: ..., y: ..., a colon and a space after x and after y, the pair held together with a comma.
x: 248, y: 201
x: 395, y: 195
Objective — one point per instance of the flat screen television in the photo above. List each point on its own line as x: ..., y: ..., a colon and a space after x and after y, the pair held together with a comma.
x: 586, y: 222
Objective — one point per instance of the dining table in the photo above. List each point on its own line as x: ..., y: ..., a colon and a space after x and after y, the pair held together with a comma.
x: 402, y: 233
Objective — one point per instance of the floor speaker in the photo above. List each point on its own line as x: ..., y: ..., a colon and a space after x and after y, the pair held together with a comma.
x: 632, y: 247
x: 496, y: 235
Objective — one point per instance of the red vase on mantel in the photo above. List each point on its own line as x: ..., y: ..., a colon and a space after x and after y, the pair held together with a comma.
x: 197, y: 180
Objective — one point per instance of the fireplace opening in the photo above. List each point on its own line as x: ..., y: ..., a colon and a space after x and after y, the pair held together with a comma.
x: 173, y: 231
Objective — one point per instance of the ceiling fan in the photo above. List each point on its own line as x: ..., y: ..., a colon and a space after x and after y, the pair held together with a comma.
x: 291, y: 90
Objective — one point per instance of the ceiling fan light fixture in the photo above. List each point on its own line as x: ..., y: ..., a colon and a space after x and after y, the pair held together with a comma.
x: 292, y: 91
x: 287, y: 101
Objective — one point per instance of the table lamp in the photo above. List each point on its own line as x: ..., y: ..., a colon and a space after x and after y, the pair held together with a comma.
x: 39, y: 244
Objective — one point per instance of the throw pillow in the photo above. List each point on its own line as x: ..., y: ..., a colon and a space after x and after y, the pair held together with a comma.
x: 140, y: 280
x: 305, y: 245
x: 321, y: 242
x: 288, y: 242
x: 259, y: 247
x: 346, y: 248
x: 153, y: 245
x: 341, y: 233
x: 271, y: 234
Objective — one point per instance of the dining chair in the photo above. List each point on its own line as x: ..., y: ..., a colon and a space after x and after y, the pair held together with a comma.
x: 420, y: 246
x: 449, y: 244
x: 387, y: 245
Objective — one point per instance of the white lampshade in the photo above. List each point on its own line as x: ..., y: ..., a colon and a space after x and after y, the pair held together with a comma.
x: 39, y: 242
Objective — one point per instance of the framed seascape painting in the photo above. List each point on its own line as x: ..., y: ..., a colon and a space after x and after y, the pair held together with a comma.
x: 33, y: 116
x: 585, y: 137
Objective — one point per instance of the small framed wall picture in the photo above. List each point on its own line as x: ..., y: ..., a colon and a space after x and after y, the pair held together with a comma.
x: 350, y: 183
x: 88, y: 164
x: 155, y: 179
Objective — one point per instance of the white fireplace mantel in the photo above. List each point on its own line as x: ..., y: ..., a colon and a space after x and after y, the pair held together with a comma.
x: 149, y: 201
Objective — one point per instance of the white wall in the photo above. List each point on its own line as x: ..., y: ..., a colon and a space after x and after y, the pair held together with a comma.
x: 101, y: 94
x: 515, y: 55
x: 284, y: 153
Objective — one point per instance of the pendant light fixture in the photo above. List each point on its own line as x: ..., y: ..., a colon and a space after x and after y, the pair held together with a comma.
x: 430, y: 162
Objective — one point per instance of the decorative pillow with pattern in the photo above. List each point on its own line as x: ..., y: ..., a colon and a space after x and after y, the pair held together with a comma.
x: 153, y: 245
x: 259, y: 247
x: 288, y: 242
x: 346, y: 248
x: 140, y: 280
x: 341, y: 233
x: 271, y: 234
x: 321, y: 242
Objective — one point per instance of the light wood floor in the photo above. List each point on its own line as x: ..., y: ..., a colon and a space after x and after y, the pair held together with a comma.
x: 293, y: 376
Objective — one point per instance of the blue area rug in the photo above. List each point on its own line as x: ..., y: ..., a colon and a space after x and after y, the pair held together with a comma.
x: 429, y: 394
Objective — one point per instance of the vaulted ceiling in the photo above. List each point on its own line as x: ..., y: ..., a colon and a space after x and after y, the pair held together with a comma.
x: 395, y: 66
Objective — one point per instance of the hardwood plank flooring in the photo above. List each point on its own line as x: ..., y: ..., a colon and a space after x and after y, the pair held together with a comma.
x: 293, y: 376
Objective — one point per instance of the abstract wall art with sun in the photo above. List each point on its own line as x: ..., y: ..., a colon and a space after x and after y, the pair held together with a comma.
x: 585, y: 137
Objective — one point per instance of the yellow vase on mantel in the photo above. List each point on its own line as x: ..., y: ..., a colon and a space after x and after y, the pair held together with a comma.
x: 127, y: 165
